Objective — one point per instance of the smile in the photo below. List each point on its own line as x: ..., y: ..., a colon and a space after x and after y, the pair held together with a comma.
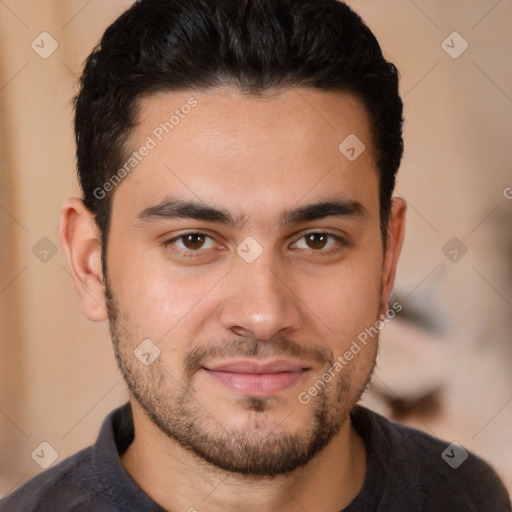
x: 257, y: 379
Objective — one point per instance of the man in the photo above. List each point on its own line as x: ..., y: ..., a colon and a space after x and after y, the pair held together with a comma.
x: 237, y: 229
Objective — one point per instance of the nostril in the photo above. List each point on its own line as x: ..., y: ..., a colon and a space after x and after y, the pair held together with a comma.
x: 239, y: 331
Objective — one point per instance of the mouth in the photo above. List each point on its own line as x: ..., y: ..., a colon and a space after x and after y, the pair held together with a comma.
x: 256, y: 378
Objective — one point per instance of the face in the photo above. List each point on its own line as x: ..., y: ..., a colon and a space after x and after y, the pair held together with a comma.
x: 246, y: 247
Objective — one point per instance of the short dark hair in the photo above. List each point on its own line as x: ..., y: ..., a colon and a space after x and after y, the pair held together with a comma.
x: 254, y: 45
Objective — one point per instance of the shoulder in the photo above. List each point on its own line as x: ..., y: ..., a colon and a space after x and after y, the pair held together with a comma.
x: 71, y: 485
x: 92, y: 479
x: 436, y: 471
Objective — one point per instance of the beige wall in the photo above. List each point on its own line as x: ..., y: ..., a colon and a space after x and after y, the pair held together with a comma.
x: 57, y: 375
x: 457, y: 164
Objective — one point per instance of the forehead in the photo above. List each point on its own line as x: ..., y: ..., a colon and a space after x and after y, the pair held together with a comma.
x: 224, y: 147
x: 234, y: 121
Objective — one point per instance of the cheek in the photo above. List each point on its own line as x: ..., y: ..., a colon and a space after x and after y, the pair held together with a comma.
x: 345, y: 298
x: 155, y: 299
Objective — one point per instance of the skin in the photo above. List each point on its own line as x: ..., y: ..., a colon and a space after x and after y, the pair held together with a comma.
x: 299, y: 301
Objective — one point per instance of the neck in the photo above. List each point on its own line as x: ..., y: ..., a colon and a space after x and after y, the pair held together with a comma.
x: 178, y: 480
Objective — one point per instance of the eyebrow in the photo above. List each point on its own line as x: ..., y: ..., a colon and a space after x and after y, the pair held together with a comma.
x: 171, y: 208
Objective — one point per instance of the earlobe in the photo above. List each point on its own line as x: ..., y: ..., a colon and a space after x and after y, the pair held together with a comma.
x: 79, y: 237
x: 395, y: 237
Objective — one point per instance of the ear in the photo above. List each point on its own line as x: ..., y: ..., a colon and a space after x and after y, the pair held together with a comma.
x: 80, y: 239
x: 394, y: 241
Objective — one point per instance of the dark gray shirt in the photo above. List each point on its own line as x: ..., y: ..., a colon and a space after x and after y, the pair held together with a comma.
x: 406, y: 473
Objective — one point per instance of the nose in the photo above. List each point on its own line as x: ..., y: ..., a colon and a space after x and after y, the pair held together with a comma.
x: 259, y: 301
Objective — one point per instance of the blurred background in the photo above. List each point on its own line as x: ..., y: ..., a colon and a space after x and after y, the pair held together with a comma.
x: 445, y: 364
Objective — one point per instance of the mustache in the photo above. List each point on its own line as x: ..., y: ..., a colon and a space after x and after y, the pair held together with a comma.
x: 280, y: 346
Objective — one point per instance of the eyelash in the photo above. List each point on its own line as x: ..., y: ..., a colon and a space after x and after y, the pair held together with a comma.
x: 185, y: 253
x: 341, y: 242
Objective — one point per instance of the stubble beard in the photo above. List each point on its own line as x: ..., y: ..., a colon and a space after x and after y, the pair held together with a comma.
x: 260, y: 448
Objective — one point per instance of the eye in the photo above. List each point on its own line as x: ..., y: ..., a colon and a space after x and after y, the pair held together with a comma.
x: 192, y: 242
x: 319, y: 241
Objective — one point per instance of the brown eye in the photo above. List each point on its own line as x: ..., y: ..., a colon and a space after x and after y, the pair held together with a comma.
x: 321, y: 242
x: 193, y: 241
x: 317, y: 240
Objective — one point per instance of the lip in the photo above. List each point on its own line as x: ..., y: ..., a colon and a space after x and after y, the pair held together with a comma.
x: 255, y: 378
x: 254, y: 366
